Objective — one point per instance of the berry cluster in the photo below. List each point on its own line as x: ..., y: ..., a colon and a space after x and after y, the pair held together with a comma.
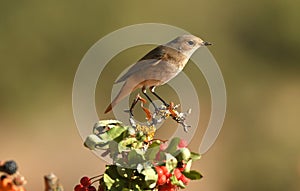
x: 178, y: 174
x: 86, y: 184
x: 139, y: 162
x: 10, y: 179
x: 164, y: 181
x: 9, y: 167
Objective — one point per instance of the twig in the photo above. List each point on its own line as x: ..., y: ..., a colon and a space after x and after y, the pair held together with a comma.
x: 52, y: 183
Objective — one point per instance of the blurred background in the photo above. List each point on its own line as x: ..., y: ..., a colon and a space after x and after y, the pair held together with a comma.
x: 256, y: 44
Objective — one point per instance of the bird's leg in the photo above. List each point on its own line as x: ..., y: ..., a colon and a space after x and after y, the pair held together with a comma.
x: 152, y: 88
x: 143, y: 101
x: 178, y: 117
x: 173, y: 112
x: 137, y: 98
x: 144, y: 92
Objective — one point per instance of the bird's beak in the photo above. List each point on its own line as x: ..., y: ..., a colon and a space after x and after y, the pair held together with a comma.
x: 206, y: 43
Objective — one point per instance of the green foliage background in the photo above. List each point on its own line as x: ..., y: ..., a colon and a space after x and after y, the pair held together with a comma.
x: 256, y: 44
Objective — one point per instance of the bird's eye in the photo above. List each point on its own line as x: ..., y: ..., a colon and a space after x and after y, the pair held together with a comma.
x: 190, y: 42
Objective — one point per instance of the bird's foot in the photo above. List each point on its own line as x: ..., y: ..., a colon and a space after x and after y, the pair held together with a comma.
x: 167, y: 105
x: 146, y: 110
x: 178, y: 116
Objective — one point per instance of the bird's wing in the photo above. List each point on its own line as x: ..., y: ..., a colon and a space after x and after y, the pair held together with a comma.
x: 150, y: 59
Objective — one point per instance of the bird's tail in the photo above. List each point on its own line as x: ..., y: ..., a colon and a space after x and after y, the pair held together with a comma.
x: 126, y: 89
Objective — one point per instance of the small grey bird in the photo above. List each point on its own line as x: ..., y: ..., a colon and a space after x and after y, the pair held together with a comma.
x: 158, y: 67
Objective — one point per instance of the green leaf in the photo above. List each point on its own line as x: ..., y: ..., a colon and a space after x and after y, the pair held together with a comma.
x: 135, y: 157
x: 172, y: 148
x: 116, y: 132
x: 111, y: 170
x: 155, y: 143
x: 113, y: 133
x: 152, y: 152
x: 104, y: 123
x: 193, y: 175
x: 195, y: 156
x: 118, y: 185
x: 113, y: 148
x: 177, y: 182
x: 125, y: 145
x: 108, y: 181
x: 171, y: 162
x: 188, y: 166
x: 183, y: 154
x: 150, y: 177
x: 92, y: 141
x: 125, y: 172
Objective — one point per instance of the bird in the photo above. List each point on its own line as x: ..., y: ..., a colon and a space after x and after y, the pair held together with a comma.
x: 157, y: 67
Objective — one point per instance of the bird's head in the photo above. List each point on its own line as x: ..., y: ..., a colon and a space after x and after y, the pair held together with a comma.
x: 187, y: 44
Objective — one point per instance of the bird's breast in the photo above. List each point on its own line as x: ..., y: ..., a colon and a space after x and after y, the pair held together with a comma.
x: 176, y: 58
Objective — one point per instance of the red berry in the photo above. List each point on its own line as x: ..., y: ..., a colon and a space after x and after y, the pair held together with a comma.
x: 163, y: 146
x: 162, y: 180
x: 165, y: 171
x: 182, y: 143
x: 177, y: 173
x: 181, y: 166
x: 168, y: 180
x: 159, y: 171
x: 167, y: 187
x: 184, y: 179
x: 92, y: 188
x: 85, y: 181
x: 77, y: 187
x: 172, y: 187
x: 83, y: 189
x: 163, y: 189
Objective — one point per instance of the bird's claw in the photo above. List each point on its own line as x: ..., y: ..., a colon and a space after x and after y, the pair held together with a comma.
x: 177, y: 116
x: 160, y: 114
